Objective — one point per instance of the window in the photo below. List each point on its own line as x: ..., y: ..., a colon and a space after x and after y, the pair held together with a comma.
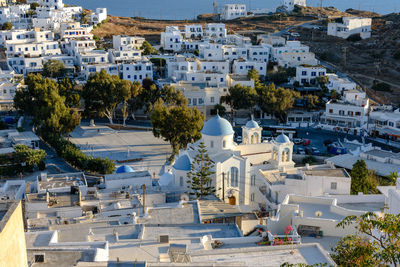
x: 313, y: 74
x: 234, y: 176
x: 181, y: 181
x: 253, y: 180
x: 194, y: 101
x: 252, y: 196
x: 333, y: 185
x: 304, y: 73
x: 212, y: 144
x: 224, y: 144
x: 331, y: 111
x: 39, y: 258
x: 212, y: 99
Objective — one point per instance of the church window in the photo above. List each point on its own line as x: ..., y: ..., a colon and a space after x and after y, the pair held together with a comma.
x: 224, y: 144
x: 234, y: 176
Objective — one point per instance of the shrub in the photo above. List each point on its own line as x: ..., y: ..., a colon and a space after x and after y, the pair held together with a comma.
x: 381, y: 86
x: 354, y: 38
x: 309, y: 160
x: 74, y: 156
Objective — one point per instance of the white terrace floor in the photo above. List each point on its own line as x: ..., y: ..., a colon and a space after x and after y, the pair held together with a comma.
x: 102, y: 141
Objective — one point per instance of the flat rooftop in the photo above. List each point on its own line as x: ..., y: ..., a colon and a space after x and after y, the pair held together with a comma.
x: 310, y: 210
x: 140, y: 147
x: 210, y: 209
x: 187, y: 214
x: 129, y: 175
x: 61, y: 180
x: 152, y: 232
x: 383, y: 153
x: 328, y: 172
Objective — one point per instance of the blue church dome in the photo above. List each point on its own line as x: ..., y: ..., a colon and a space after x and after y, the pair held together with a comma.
x: 124, y: 169
x: 282, y: 139
x: 182, y: 164
x: 217, y: 126
x: 252, y: 124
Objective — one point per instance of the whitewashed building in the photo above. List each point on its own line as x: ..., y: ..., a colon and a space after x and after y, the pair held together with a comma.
x: 349, y: 26
x: 88, y: 69
x: 349, y: 113
x: 340, y: 84
x: 233, y: 11
x: 9, y: 84
x: 172, y: 38
x: 57, y: 4
x: 216, y: 31
x: 125, y: 42
x: 385, y: 123
x: 241, y: 66
x: 308, y: 75
x: 289, y: 4
x: 136, y: 70
x: 98, y: 16
x: 193, y: 31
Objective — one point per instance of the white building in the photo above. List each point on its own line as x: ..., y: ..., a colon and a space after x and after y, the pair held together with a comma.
x: 120, y: 56
x: 385, y: 123
x: 125, y: 177
x: 88, y: 69
x: 307, y: 181
x: 392, y: 197
x: 201, y: 96
x: 98, y: 16
x: 216, y: 31
x: 136, y: 70
x: 73, y: 30
x: 57, y: 4
x: 172, y: 38
x: 349, y: 26
x: 25, y: 65
x: 243, y: 67
x: 349, y: 113
x: 78, y: 45
x: 16, y: 14
x: 9, y: 84
x: 125, y: 42
x: 233, y: 11
x: 92, y: 57
x: 236, y: 166
x: 340, y: 84
x: 308, y: 75
x: 193, y: 31
x: 289, y: 4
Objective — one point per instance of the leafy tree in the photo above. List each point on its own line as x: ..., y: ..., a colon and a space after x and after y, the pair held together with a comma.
x: 334, y: 95
x: 7, y: 26
x: 362, y: 179
x: 54, y: 69
x: 392, y: 177
x: 312, y: 100
x: 72, y: 97
x: 31, y: 157
x: 323, y: 81
x: 241, y: 97
x: 179, y: 125
x: 277, y: 101
x: 218, y: 108
x: 103, y: 93
x: 381, y: 86
x: 33, y: 6
x: 41, y: 100
x: 200, y: 174
x: 148, y: 49
x: 379, y: 248
x: 254, y: 75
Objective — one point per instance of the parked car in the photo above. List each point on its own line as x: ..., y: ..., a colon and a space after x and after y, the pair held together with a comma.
x: 298, y: 141
x: 301, y: 151
x: 306, y: 142
x: 313, y: 151
x: 295, y: 34
x: 238, y: 139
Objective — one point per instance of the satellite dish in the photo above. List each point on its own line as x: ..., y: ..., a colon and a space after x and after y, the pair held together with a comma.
x: 184, y: 197
x: 318, y: 213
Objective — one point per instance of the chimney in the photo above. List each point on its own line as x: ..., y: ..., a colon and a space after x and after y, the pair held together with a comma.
x: 43, y: 176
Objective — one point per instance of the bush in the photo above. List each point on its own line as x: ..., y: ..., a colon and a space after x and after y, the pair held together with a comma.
x: 354, y: 38
x: 380, y: 86
x: 309, y: 160
x: 3, y: 125
x: 74, y: 156
x: 42, y: 166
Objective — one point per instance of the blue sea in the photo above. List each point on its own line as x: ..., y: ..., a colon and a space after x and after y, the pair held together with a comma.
x: 189, y: 9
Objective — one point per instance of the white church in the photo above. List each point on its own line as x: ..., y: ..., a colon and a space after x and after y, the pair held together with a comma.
x: 236, y: 165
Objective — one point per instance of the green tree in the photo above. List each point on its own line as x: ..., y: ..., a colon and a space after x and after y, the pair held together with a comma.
x: 276, y: 101
x: 379, y: 248
x: 392, y: 178
x: 33, y: 6
x: 179, y: 125
x: 323, y: 81
x: 240, y: 97
x: 29, y: 156
x: 312, y: 101
x: 7, y: 26
x: 334, y: 95
x: 72, y: 97
x: 254, y: 75
x: 103, y: 93
x: 200, y: 174
x: 362, y: 179
x: 220, y: 109
x: 148, y: 49
x: 54, y: 69
x: 41, y: 100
